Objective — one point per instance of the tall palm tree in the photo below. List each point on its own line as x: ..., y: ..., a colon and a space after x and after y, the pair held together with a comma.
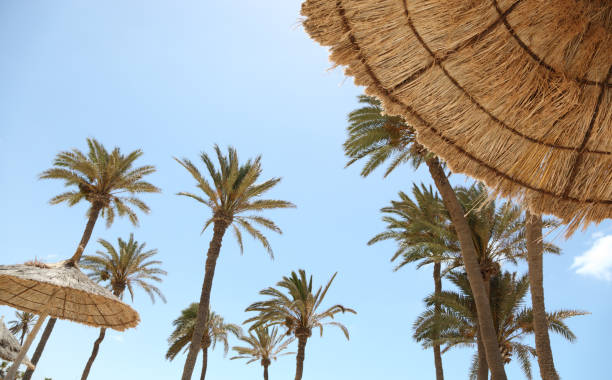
x: 127, y: 266
x: 233, y: 193
x: 535, y: 249
x: 22, y: 324
x: 102, y: 179
x: 216, y: 331
x: 458, y: 324
x: 265, y: 345
x: 378, y: 136
x: 297, y: 311
x: 421, y: 229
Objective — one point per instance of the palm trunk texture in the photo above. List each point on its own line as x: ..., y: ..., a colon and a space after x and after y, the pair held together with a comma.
x: 204, y: 363
x: 535, y: 250
x: 94, y: 353
x: 200, y: 327
x: 483, y: 369
x: 40, y: 347
x: 91, y: 222
x: 472, y: 267
x: 299, y: 359
x: 436, y: 348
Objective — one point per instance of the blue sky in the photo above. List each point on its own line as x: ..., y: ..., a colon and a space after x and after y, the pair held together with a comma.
x: 174, y: 78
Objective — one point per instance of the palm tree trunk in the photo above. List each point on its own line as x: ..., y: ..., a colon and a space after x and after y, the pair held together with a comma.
x: 94, y: 212
x: 483, y: 369
x: 472, y: 267
x: 535, y: 250
x: 299, y: 359
x: 198, y: 333
x: 437, y: 310
x: 265, y: 372
x: 94, y: 353
x: 23, y: 333
x: 91, y: 222
x: 204, y: 363
x: 40, y: 347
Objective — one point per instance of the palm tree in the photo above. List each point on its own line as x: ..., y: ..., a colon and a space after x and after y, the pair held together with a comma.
x: 378, y: 136
x: 22, y: 324
x: 422, y: 232
x: 216, y: 331
x: 265, y: 345
x: 297, y: 311
x: 125, y: 267
x: 232, y: 194
x: 535, y: 249
x: 457, y: 326
x: 102, y: 179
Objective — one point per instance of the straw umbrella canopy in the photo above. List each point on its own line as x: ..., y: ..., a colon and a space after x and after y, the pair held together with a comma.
x: 62, y: 291
x: 515, y: 93
x: 9, y: 345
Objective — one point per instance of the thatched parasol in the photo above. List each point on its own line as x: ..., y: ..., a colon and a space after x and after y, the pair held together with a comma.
x: 515, y: 93
x: 62, y: 291
x: 9, y: 345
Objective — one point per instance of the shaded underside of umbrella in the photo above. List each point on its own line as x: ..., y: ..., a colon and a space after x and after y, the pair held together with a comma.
x: 515, y: 93
x: 9, y: 346
x: 66, y: 293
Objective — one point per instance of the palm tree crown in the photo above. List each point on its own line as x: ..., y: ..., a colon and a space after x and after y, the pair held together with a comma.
x: 101, y: 178
x: 458, y: 323
x: 420, y: 227
x: 297, y: 311
x: 217, y: 331
x: 380, y: 137
x: 265, y: 345
x: 23, y: 324
x: 126, y: 266
x: 498, y: 231
x: 233, y: 192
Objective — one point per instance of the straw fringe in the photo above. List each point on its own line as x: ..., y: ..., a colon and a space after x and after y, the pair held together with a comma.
x: 505, y: 91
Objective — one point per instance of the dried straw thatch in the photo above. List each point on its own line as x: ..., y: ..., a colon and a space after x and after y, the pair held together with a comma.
x: 515, y: 93
x: 75, y: 296
x: 9, y: 346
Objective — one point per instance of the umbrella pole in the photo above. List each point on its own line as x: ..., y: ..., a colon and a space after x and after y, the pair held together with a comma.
x: 12, y: 372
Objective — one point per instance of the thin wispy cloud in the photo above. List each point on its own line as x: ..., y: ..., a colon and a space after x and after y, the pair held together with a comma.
x: 597, y: 260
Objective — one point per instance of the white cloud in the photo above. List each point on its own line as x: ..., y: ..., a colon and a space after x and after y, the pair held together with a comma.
x: 118, y: 338
x: 597, y: 261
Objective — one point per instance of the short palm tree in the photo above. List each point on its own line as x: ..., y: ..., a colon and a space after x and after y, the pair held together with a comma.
x: 457, y: 326
x: 22, y: 325
x: 217, y: 331
x: 233, y: 193
x: 127, y: 266
x: 297, y: 311
x: 421, y: 229
x: 110, y: 183
x: 379, y: 137
x: 265, y: 345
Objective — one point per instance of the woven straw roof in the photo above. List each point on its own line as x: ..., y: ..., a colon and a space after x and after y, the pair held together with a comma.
x: 515, y: 93
x: 76, y: 297
x: 9, y: 346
